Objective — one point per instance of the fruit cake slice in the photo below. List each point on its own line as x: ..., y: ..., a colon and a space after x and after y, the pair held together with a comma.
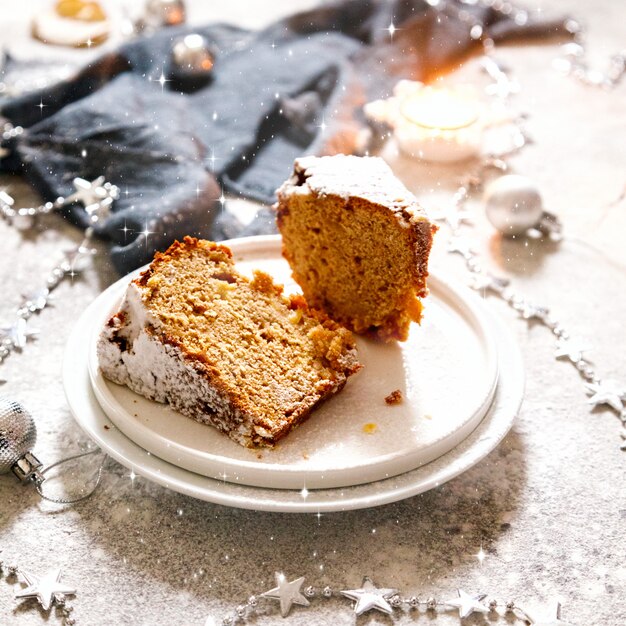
x: 223, y: 349
x: 357, y: 242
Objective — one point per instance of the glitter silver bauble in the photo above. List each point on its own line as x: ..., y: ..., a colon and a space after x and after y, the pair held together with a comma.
x: 164, y: 13
x: 18, y: 433
x: 513, y: 204
x: 192, y: 57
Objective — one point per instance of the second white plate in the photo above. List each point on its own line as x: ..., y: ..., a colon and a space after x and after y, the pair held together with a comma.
x: 447, y: 372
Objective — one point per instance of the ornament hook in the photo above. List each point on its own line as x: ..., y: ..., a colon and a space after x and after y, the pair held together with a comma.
x: 18, y: 435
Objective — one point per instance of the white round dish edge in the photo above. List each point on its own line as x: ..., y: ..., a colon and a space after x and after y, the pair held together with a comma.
x: 492, y: 429
x: 361, y: 458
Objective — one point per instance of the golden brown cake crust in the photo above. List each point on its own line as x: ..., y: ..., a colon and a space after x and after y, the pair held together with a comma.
x: 357, y: 241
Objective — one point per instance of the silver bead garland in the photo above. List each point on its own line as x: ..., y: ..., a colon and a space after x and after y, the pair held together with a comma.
x: 369, y: 598
x: 606, y: 393
x: 97, y: 197
x: 573, y: 63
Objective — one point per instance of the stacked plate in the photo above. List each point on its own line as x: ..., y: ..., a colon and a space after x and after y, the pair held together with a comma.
x: 459, y: 375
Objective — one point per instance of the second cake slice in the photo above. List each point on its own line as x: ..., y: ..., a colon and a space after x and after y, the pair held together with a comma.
x: 357, y: 242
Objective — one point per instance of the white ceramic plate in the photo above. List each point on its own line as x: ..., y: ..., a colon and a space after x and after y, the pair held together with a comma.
x: 476, y: 446
x: 446, y: 371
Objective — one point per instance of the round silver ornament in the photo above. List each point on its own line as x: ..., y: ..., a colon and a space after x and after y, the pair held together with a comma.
x: 164, y: 13
x: 18, y: 433
x: 192, y: 57
x: 513, y: 204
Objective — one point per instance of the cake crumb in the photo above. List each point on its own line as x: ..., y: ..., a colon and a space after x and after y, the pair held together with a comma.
x: 305, y: 456
x: 395, y: 397
x: 107, y: 427
x: 428, y: 416
x: 370, y: 428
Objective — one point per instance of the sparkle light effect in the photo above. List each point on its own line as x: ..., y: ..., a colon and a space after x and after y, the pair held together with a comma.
x: 146, y: 232
x: 480, y: 555
x: 162, y: 80
x: 212, y: 159
x: 41, y: 105
x: 222, y: 199
x: 125, y: 230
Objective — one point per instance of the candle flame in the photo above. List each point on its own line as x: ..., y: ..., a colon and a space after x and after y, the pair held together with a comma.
x: 444, y: 109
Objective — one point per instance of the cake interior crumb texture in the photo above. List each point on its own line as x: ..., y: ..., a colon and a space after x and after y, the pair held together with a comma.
x: 357, y: 242
x: 224, y: 349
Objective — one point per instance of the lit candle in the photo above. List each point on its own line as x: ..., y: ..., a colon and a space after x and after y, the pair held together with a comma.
x: 442, y: 124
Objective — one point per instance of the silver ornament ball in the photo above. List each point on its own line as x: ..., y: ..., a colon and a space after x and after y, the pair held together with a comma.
x: 513, y: 204
x: 192, y: 57
x: 165, y: 13
x: 18, y: 433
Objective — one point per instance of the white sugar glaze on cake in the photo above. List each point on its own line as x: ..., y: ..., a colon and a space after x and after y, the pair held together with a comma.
x: 348, y: 176
x: 160, y: 372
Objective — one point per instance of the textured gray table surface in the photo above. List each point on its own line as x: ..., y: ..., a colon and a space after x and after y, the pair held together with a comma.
x: 548, y: 506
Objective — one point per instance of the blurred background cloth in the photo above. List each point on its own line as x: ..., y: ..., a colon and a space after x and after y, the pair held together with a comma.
x: 293, y: 88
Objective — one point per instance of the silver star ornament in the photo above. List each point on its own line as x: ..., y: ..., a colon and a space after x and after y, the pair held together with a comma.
x: 18, y: 333
x: 77, y: 259
x: 96, y: 196
x: 547, y: 616
x: 606, y: 392
x: 370, y: 597
x: 44, y: 588
x: 532, y: 312
x: 489, y: 282
x: 288, y: 593
x: 468, y: 604
x: 570, y: 349
x: 458, y: 245
x: 452, y: 216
